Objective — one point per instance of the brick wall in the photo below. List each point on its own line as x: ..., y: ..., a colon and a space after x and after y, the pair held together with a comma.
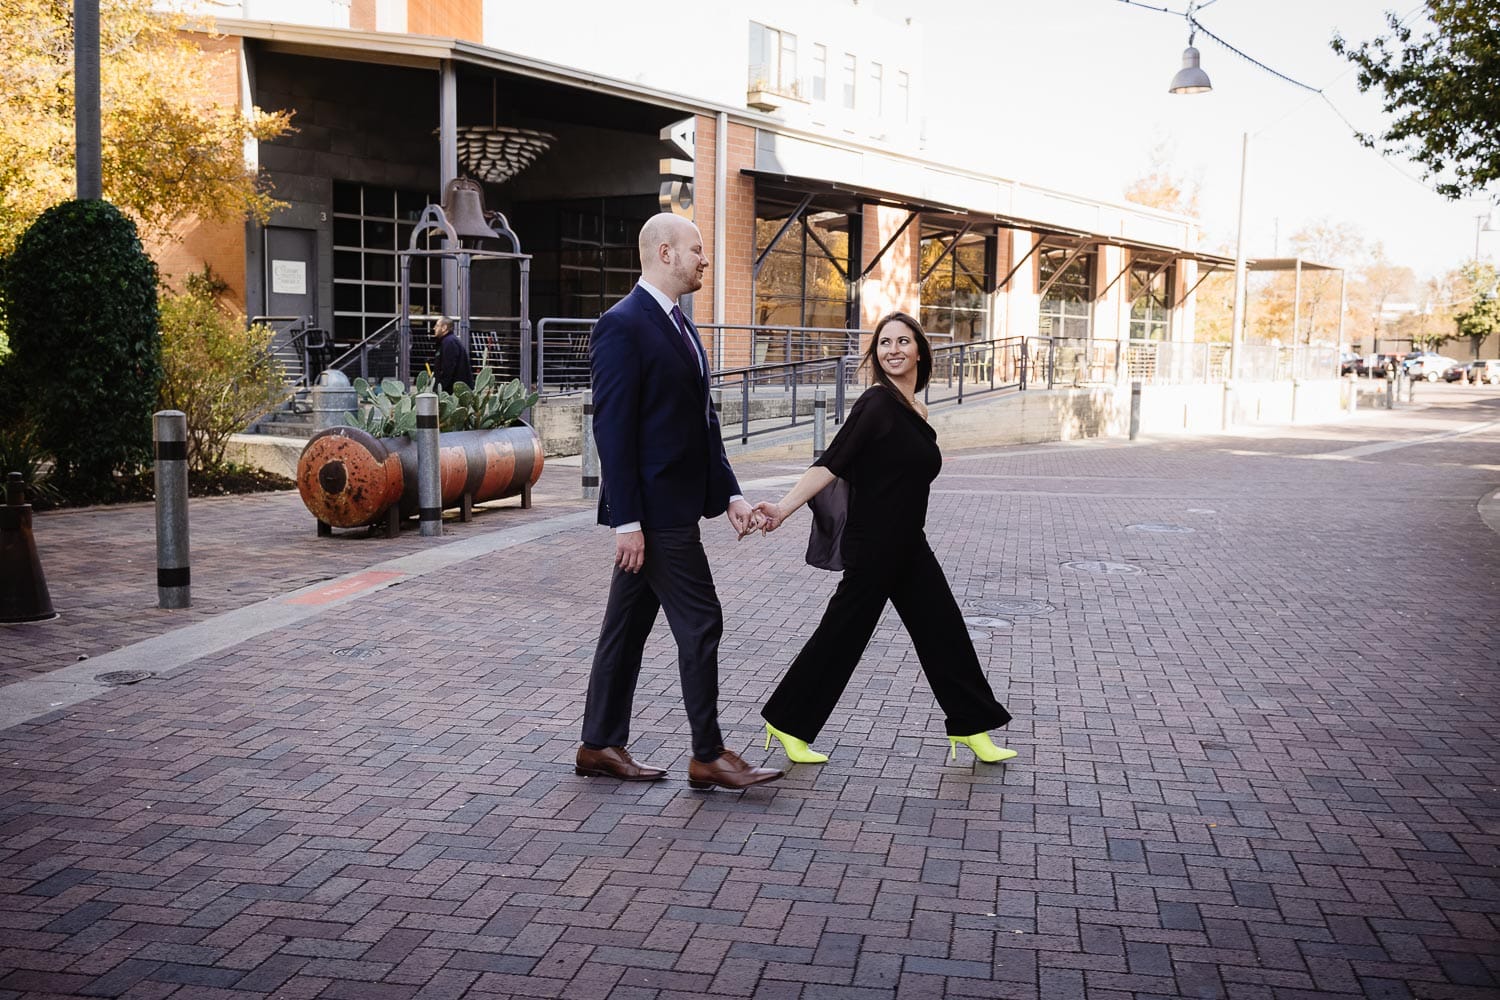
x: 446, y: 18
x: 362, y: 15
x: 219, y: 244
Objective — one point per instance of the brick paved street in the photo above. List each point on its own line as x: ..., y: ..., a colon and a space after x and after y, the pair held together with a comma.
x: 1259, y: 757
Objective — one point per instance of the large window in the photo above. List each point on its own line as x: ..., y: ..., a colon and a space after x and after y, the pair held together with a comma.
x: 1068, y: 304
x: 773, y: 60
x: 958, y: 273
x: 903, y: 95
x: 804, y: 279
x: 819, y: 72
x: 875, y: 99
x: 849, y: 78
x: 597, y: 260
x: 1149, y: 311
x: 369, y: 225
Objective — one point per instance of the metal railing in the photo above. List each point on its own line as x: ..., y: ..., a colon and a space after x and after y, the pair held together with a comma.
x: 374, y: 357
x: 1158, y: 362
x: 789, y: 386
x: 977, y: 368
x: 300, y: 347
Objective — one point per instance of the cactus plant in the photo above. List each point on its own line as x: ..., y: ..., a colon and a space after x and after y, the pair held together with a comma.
x: 389, y: 409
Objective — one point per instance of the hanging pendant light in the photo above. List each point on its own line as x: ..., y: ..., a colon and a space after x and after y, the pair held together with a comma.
x: 1190, y: 79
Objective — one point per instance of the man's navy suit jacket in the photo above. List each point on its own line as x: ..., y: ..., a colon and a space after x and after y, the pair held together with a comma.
x: 661, y: 452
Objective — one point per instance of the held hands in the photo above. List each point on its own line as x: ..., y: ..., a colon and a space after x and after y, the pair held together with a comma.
x: 743, y: 518
x: 771, y: 515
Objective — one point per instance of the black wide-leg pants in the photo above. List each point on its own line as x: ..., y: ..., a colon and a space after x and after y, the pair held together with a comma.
x: 674, y: 577
x: 916, y: 586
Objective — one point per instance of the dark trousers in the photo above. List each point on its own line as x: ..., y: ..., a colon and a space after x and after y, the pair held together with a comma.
x: 812, y: 686
x: 675, y: 578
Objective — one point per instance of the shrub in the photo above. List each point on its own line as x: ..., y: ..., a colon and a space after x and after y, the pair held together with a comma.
x: 80, y: 302
x: 218, y: 372
x: 20, y: 449
x: 390, y: 409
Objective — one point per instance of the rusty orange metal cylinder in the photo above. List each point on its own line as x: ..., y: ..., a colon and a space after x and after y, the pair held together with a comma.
x: 348, y: 478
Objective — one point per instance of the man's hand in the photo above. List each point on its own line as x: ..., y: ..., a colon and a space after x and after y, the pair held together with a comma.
x: 743, y: 518
x: 770, y: 515
x: 630, y: 551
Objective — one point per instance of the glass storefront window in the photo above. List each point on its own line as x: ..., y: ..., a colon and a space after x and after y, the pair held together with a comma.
x: 1068, y: 305
x: 1149, y: 312
x: 804, y: 280
x: 955, y: 299
x: 369, y: 225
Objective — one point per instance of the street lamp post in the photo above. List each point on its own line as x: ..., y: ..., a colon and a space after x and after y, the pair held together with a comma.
x: 86, y: 156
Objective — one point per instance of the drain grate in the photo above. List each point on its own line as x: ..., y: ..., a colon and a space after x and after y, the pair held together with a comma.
x: 1161, y: 529
x: 358, y: 652
x: 117, y: 678
x: 1103, y: 568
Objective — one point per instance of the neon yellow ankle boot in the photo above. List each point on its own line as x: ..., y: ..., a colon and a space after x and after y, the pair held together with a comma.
x: 983, y: 747
x: 797, y: 751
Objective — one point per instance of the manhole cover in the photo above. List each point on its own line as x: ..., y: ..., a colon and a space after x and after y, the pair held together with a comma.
x: 1103, y: 568
x: 118, y: 677
x: 1013, y: 607
x: 984, y: 621
x: 1163, y: 529
x: 358, y: 652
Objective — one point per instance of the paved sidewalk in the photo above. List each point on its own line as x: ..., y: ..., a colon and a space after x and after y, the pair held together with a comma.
x: 1258, y: 757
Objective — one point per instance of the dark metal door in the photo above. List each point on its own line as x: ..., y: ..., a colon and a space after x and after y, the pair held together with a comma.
x: 291, y: 272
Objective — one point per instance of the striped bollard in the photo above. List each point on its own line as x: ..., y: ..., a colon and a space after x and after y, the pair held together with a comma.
x: 429, y: 476
x: 820, y: 422
x: 173, y: 576
x: 590, y: 450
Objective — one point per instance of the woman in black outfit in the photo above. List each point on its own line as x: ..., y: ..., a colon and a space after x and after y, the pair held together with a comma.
x: 888, y: 454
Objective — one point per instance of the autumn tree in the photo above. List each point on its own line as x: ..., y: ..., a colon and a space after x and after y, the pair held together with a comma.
x: 1162, y: 187
x: 1440, y: 90
x: 1374, y: 286
x: 1480, y: 319
x: 168, y: 149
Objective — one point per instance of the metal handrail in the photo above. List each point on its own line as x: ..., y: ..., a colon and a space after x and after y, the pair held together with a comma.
x: 362, y: 348
x: 299, y: 341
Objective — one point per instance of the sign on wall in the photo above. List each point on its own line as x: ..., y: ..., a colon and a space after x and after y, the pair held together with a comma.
x: 677, y: 172
x: 289, y: 277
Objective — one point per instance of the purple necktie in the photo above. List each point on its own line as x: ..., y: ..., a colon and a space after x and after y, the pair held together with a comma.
x: 687, y: 338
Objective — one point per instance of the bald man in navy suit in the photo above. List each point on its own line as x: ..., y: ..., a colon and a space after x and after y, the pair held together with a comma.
x: 663, y: 468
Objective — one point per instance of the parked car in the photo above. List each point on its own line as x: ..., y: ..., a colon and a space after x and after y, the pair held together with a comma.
x: 1428, y: 366
x: 1487, y: 371
x: 1379, y: 365
x: 1458, y: 373
x: 1348, y: 362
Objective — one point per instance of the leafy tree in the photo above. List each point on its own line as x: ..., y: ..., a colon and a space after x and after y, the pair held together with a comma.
x: 1441, y: 89
x: 81, y: 300
x: 1161, y: 187
x: 1374, y: 286
x: 169, y: 150
x: 1482, y: 317
x: 217, y: 371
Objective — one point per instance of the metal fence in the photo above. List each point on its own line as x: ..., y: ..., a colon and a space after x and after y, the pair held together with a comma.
x: 1155, y: 362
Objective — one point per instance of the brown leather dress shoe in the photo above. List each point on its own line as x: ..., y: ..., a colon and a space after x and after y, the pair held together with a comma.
x: 614, y: 762
x: 729, y: 771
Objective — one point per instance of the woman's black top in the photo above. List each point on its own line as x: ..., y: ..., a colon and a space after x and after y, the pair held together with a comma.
x: 889, y: 456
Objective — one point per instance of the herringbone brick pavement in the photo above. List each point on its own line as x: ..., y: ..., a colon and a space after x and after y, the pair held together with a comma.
x: 1258, y: 761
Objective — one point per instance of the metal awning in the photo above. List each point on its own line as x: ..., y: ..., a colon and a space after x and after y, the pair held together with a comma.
x: 857, y: 192
x: 1286, y: 264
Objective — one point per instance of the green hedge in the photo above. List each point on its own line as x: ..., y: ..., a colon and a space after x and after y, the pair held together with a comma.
x: 81, y: 312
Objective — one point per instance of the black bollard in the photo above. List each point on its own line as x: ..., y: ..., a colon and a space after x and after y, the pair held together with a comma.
x: 23, y: 588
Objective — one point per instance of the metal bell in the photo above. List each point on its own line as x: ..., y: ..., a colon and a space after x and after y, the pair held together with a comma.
x: 463, y: 204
